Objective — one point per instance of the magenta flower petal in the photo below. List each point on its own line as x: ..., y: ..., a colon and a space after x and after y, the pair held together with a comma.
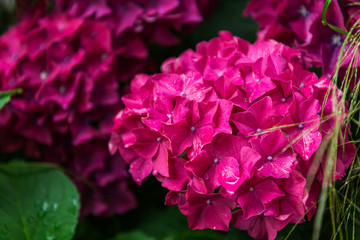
x: 140, y: 169
x: 207, y: 210
x: 260, y: 226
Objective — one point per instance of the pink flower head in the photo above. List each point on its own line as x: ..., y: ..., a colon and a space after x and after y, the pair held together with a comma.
x: 299, y: 23
x: 147, y: 19
x: 238, y: 126
x: 70, y: 96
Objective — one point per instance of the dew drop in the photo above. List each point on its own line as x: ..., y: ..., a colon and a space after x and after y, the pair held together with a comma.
x: 14, y: 56
x: 55, y: 206
x: 208, y: 202
x: 336, y: 40
x: 302, y: 85
x: 182, y: 94
x: 301, y: 126
x: 45, y: 206
x: 283, y: 100
x: 303, y: 11
x: 74, y: 202
x: 169, y: 115
x: 258, y: 130
x: 216, y: 160
x: 251, y: 189
x: 62, y: 89
x: 158, y: 139
x: 104, y: 57
x: 11, y: 82
x: 192, y: 129
x: 43, y: 75
x: 50, y: 237
x: 269, y: 158
x: 66, y: 59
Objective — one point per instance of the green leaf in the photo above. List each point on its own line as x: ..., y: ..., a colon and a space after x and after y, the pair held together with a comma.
x: 37, y: 202
x: 135, y: 235
x: 5, y: 96
x: 324, y: 21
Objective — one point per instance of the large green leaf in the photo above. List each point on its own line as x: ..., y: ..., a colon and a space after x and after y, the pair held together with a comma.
x: 37, y: 202
x: 135, y: 235
x: 5, y: 96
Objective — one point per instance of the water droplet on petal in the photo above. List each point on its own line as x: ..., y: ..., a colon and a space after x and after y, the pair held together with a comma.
x: 104, y: 57
x: 43, y: 75
x: 192, y: 129
x: 208, y: 202
x: 66, y: 59
x: 251, y: 189
x: 258, y: 130
x: 336, y: 40
x: 283, y: 100
x: 158, y: 139
x: 62, y: 89
x: 301, y: 85
x: 301, y: 126
x: 14, y: 56
x: 269, y: 158
x: 216, y: 160
x: 169, y: 115
x: 182, y: 94
x: 11, y: 82
x: 303, y: 11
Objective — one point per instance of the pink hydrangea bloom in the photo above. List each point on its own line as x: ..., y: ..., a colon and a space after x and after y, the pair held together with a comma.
x: 238, y: 125
x: 70, y: 64
x: 70, y: 96
x: 299, y: 23
x: 145, y: 20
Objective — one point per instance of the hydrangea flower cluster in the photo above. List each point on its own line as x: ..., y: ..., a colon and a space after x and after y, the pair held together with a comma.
x: 70, y: 65
x: 232, y: 130
x: 141, y: 20
x: 66, y: 67
x: 299, y: 23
